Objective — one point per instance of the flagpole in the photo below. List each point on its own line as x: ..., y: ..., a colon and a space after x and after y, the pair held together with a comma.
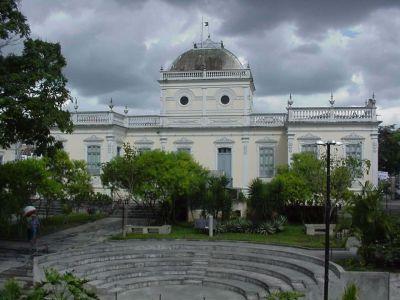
x: 202, y: 25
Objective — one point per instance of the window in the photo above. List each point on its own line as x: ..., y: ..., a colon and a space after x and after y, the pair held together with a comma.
x: 143, y: 149
x: 93, y: 159
x: 183, y: 149
x: 1, y: 159
x: 267, y: 162
x: 184, y: 100
x: 225, y: 99
x: 118, y: 151
x: 312, y: 148
x: 354, y: 150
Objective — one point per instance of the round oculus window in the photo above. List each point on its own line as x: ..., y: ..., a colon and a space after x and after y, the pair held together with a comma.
x: 184, y: 100
x: 225, y: 99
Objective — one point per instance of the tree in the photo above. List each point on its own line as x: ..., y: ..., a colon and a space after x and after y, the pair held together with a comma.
x: 389, y: 149
x: 152, y: 178
x: 32, y: 87
x: 12, y: 23
x: 218, y: 201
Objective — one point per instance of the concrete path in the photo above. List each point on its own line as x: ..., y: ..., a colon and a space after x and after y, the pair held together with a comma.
x: 16, y: 256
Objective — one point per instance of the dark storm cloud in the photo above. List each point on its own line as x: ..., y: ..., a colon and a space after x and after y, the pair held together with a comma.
x: 114, y: 48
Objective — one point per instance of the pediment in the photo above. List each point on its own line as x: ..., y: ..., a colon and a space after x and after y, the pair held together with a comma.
x: 224, y: 140
x: 94, y: 139
x: 144, y: 141
x: 183, y: 141
x: 266, y: 140
x: 353, y: 136
x: 60, y: 138
x: 309, y: 137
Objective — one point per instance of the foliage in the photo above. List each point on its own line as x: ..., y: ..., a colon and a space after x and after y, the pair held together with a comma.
x: 241, y: 225
x: 32, y: 86
x: 55, y: 286
x: 288, y: 295
x: 304, y: 181
x: 218, y: 201
x: 271, y: 227
x: 55, y: 178
x: 265, y: 199
x: 236, y: 225
x: 389, y: 149
x: 152, y: 178
x: 11, y: 290
x: 379, y: 235
x: 13, y: 22
x: 351, y: 292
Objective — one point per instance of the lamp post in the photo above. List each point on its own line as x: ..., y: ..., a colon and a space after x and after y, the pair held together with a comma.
x: 328, y: 145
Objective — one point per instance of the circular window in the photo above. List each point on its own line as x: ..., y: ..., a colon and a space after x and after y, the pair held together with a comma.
x: 224, y: 99
x: 184, y: 100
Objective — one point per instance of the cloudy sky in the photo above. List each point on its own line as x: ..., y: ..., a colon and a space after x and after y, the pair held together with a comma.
x: 114, y: 48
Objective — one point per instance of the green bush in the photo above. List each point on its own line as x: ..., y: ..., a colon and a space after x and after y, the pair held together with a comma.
x: 241, y: 225
x: 351, y: 292
x: 289, y: 295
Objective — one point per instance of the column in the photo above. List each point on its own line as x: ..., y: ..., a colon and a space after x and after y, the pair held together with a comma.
x: 163, y: 141
x: 290, y: 139
x: 245, y: 159
x: 204, y: 106
x: 374, y: 158
x: 111, y: 147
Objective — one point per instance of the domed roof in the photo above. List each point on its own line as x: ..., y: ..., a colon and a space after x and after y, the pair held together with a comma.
x: 208, y: 55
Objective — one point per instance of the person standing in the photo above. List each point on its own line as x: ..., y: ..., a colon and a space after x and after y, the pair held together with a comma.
x: 33, y: 230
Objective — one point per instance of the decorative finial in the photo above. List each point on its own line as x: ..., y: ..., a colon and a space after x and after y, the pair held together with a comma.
x: 222, y: 44
x: 373, y: 95
x: 371, y: 102
x: 195, y: 45
x: 290, y: 101
x: 111, y: 105
x: 126, y: 109
x: 161, y: 68
x: 76, y: 105
x: 248, y: 66
x: 332, y: 101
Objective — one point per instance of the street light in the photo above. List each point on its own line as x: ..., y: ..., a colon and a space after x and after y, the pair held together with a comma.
x: 328, y: 145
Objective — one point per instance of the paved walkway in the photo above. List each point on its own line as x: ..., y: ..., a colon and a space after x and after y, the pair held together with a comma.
x: 16, y: 258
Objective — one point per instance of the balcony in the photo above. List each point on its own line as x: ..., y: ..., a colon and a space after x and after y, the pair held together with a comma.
x: 196, y: 75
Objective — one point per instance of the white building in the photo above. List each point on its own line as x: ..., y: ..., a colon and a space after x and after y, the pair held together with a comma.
x: 206, y: 102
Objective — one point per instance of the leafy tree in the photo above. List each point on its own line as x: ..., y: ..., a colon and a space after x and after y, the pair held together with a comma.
x: 266, y: 199
x: 20, y: 181
x: 32, y: 86
x: 152, y: 178
x: 12, y: 23
x: 389, y: 149
x: 218, y: 201
x: 369, y: 222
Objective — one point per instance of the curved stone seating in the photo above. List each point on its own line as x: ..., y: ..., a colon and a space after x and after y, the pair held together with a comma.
x: 250, y: 270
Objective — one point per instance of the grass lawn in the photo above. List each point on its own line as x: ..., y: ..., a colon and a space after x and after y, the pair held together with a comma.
x: 293, y: 235
x: 49, y: 225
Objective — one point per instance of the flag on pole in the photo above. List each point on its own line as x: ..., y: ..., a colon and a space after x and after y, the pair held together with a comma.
x: 205, y: 23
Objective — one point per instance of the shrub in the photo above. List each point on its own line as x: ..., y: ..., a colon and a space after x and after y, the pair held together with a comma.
x: 271, y: 227
x: 289, y: 295
x: 238, y: 225
x: 351, y: 292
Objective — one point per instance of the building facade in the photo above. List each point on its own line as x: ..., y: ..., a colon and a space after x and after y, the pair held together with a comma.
x: 206, y: 100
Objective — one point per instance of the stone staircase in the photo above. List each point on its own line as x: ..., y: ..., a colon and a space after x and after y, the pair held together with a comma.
x: 249, y: 270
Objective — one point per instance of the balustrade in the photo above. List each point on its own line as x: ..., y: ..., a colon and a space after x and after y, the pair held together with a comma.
x: 331, y: 114
x: 268, y: 119
x: 233, y: 73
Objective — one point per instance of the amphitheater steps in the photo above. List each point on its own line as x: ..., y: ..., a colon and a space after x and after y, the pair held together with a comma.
x: 247, y: 269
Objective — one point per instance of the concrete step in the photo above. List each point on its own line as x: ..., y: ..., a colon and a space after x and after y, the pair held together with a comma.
x: 249, y: 290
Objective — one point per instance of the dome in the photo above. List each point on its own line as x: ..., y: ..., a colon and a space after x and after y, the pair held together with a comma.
x: 211, y: 55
